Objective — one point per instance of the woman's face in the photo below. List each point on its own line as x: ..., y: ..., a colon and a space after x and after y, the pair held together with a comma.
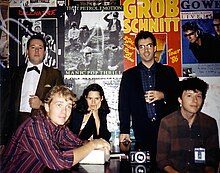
x: 94, y: 100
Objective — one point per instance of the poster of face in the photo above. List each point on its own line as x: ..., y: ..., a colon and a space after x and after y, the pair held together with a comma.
x: 200, y: 39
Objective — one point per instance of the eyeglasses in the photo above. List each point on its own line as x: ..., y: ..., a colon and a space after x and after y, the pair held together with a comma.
x: 150, y: 45
x: 187, y: 35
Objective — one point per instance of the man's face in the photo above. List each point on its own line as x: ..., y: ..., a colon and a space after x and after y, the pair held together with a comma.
x: 191, y: 35
x: 191, y: 101
x: 36, y: 51
x: 216, y: 24
x: 59, y: 109
x: 94, y: 100
x: 146, y: 50
x: 88, y: 56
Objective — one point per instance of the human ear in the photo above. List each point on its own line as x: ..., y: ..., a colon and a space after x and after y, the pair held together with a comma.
x: 155, y: 49
x: 180, y: 100
x: 46, y: 106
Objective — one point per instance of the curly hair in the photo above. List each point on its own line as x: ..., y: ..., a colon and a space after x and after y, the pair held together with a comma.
x: 195, y: 84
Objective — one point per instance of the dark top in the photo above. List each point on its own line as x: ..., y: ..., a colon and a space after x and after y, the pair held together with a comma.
x: 209, y: 51
x: 132, y: 103
x: 90, y: 127
x: 148, y: 82
x: 38, y: 144
x: 49, y: 77
x: 177, y: 141
x: 110, y: 23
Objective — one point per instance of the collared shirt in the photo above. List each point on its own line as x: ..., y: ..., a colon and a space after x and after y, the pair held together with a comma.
x: 177, y: 141
x: 29, y: 86
x: 148, y: 82
x: 37, y: 144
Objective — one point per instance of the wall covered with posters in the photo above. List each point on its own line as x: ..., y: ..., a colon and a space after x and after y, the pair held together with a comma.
x: 81, y: 45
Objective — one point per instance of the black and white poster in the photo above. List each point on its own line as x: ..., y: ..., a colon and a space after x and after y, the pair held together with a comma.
x: 94, y: 46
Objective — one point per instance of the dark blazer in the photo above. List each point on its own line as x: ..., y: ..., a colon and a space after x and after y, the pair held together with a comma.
x: 90, y: 128
x: 49, y: 78
x: 132, y: 103
x: 110, y: 23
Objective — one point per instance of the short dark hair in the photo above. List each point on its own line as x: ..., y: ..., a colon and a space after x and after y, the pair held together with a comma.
x: 216, y: 15
x: 145, y: 35
x: 190, y: 26
x: 115, y: 14
x: 195, y: 84
x: 39, y: 37
x: 73, y: 24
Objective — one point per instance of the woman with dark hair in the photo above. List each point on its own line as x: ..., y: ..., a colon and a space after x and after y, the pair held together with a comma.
x: 88, y: 120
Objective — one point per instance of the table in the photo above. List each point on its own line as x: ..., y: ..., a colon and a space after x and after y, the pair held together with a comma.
x: 113, y: 166
x: 116, y: 164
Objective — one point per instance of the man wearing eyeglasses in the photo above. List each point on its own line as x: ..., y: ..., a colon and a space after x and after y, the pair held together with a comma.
x: 147, y: 93
x: 204, y: 46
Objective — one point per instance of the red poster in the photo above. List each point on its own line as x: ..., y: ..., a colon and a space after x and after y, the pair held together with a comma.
x: 159, y: 17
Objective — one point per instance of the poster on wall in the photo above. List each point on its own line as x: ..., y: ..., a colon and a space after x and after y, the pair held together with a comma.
x: 4, y: 42
x: 46, y: 22
x: 200, y: 41
x: 94, y: 40
x: 92, y: 2
x: 163, y: 22
x: 33, y: 3
x: 110, y: 87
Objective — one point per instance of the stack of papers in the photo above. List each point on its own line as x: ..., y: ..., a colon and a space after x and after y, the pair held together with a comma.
x: 96, y: 157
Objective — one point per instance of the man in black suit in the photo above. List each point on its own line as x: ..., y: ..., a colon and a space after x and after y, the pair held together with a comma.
x: 30, y: 84
x: 147, y: 93
x: 114, y: 27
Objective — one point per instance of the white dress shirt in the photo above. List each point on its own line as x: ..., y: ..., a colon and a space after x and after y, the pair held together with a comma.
x: 29, y: 86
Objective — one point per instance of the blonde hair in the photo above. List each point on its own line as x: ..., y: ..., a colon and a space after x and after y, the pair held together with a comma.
x: 62, y: 91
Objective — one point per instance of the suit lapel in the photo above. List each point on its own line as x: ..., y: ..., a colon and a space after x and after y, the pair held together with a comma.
x: 19, y: 80
x: 41, y: 83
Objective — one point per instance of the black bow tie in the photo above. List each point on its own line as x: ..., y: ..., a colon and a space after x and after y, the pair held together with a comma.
x: 33, y: 68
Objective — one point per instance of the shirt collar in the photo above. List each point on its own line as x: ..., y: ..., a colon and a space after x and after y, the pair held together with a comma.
x: 182, y: 119
x: 152, y: 68
x: 39, y: 66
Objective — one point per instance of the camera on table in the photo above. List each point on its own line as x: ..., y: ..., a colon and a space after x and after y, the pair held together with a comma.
x: 139, y: 157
